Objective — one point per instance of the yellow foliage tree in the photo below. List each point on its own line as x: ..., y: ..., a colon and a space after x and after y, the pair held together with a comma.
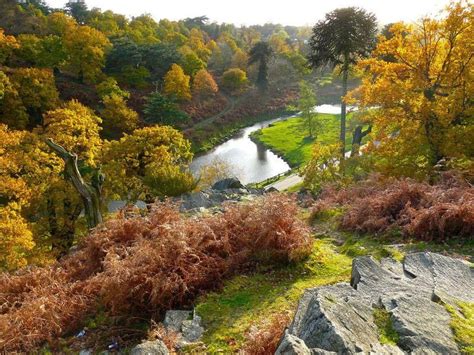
x: 7, y: 45
x: 204, y: 84
x: 151, y: 161
x: 418, y: 88
x: 117, y: 117
x: 86, y: 49
x: 16, y: 239
x: 76, y: 128
x: 177, y: 83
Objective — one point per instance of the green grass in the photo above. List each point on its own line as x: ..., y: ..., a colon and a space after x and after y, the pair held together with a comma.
x: 250, y: 300
x: 462, y: 324
x: 290, y: 138
x: 387, y: 334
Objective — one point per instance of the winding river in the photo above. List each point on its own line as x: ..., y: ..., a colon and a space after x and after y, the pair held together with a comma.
x: 251, y: 162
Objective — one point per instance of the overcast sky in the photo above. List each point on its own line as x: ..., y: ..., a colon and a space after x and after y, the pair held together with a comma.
x: 248, y: 12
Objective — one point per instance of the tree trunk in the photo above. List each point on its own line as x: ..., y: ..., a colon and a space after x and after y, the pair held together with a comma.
x: 90, y: 193
x: 345, y: 74
x: 357, y: 139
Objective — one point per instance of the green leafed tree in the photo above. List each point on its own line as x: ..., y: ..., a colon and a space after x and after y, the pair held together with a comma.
x: 163, y: 110
x: 261, y: 54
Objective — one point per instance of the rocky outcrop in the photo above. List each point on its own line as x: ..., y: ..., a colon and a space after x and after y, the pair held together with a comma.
x: 340, y: 318
x: 227, y: 190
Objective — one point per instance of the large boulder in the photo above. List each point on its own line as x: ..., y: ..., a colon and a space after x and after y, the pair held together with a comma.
x: 340, y: 318
x: 229, y: 183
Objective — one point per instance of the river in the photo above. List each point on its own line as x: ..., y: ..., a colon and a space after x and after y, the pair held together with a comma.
x: 251, y: 162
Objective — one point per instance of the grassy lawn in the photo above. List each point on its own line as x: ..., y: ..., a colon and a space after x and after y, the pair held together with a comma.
x: 290, y: 139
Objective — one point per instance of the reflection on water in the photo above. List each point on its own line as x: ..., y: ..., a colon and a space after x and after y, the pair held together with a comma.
x: 252, y: 162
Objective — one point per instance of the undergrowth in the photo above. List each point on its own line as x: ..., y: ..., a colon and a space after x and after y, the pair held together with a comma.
x: 413, y: 209
x: 143, y: 266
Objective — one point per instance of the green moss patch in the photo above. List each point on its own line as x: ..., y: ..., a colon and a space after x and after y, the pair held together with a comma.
x: 462, y: 324
x: 383, y: 321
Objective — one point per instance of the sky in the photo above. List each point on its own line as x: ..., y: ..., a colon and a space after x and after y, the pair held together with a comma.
x: 249, y: 12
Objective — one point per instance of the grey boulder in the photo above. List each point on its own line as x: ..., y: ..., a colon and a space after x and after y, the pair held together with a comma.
x: 156, y: 347
x: 340, y: 318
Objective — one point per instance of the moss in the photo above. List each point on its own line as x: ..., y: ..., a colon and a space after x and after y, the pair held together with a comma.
x: 462, y: 324
x: 383, y: 321
x: 250, y: 300
x: 361, y: 246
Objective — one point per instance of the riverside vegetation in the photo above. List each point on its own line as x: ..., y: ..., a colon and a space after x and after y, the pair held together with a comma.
x: 96, y: 107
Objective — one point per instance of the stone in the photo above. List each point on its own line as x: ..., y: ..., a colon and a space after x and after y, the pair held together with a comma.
x: 174, y: 319
x: 291, y: 345
x: 339, y: 318
x: 229, y: 183
x: 156, y: 347
x: 186, y: 324
x: 192, y: 330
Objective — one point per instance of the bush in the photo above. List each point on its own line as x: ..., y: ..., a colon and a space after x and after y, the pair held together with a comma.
x: 145, y: 266
x: 422, y: 211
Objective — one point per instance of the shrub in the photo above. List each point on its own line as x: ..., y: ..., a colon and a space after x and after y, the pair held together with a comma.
x: 145, y: 266
x: 420, y: 210
x: 265, y: 340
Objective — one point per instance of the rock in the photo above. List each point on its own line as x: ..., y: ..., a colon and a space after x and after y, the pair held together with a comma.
x: 340, y: 318
x: 229, y: 183
x: 186, y: 323
x: 86, y: 352
x: 291, y: 345
x: 209, y: 199
x: 192, y: 330
x: 156, y: 347
x: 174, y: 319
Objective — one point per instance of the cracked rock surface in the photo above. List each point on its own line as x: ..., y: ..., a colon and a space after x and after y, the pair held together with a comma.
x: 340, y: 318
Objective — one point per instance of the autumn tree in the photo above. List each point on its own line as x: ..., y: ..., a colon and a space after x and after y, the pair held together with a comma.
x: 420, y: 101
x: 176, y: 83
x: 7, y: 45
x: 30, y: 93
x: 117, y: 117
x: 343, y: 38
x: 86, y: 49
x: 150, y: 162
x: 204, y: 84
x: 261, y: 54
x: 76, y: 128
x: 191, y: 63
x: 234, y: 80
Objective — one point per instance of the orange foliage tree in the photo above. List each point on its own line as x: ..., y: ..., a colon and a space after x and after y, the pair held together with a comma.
x: 418, y: 90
